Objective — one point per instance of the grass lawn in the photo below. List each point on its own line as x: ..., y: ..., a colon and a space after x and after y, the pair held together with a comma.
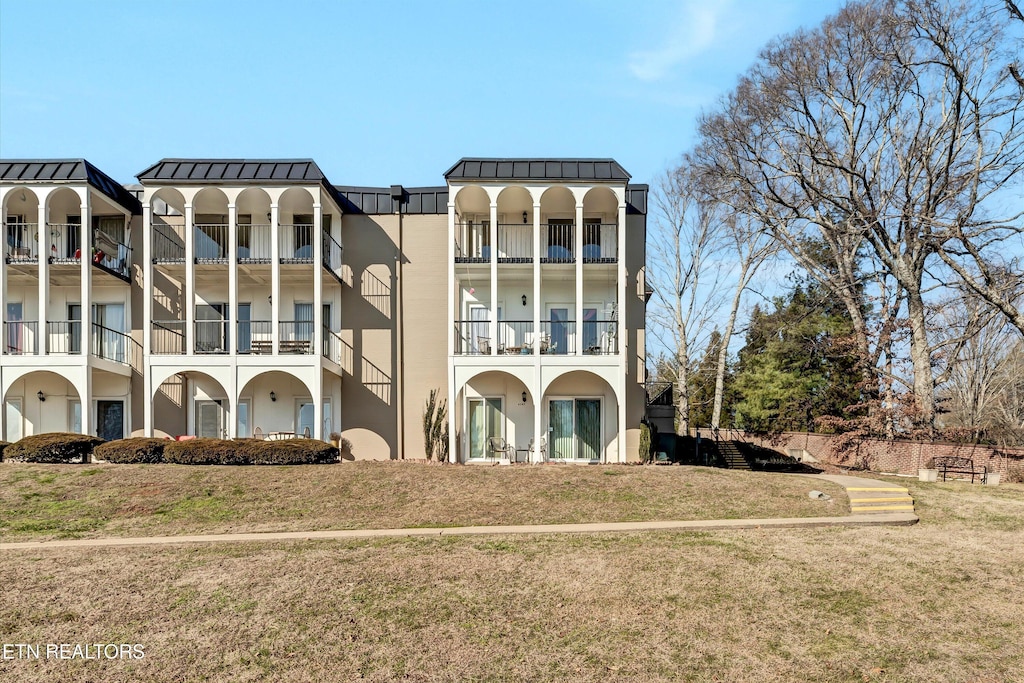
x: 938, y: 601
x: 84, y: 501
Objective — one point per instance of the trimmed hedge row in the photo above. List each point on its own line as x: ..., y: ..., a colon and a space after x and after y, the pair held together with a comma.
x: 58, y: 447
x: 53, y: 447
x: 223, y: 452
x: 133, y: 450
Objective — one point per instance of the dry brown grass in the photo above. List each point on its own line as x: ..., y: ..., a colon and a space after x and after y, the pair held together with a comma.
x: 937, y: 602
x: 927, y: 603
x: 88, y: 501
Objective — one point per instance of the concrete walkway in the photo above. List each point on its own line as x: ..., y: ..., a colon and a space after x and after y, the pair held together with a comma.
x: 893, y: 512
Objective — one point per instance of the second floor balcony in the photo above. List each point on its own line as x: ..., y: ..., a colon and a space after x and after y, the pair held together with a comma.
x: 558, y: 242
x: 64, y: 337
x: 62, y: 245
x: 244, y: 337
x: 554, y: 337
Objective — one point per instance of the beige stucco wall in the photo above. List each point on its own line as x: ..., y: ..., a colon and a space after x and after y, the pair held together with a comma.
x: 382, y: 305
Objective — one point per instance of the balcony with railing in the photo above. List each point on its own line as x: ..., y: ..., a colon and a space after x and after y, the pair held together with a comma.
x: 254, y: 243
x: 296, y: 337
x: 515, y: 243
x: 332, y: 346
x: 332, y: 254
x: 110, y: 344
x: 112, y: 256
x: 211, y: 243
x: 168, y: 246
x: 21, y: 242
x: 21, y: 337
x: 516, y: 337
x: 64, y: 336
x: 65, y: 243
x: 168, y: 337
x: 295, y: 243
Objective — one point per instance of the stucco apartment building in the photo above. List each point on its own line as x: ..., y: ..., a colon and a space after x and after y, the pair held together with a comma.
x: 233, y: 298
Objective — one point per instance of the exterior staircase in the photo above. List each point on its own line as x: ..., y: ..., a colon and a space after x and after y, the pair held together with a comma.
x: 732, y: 456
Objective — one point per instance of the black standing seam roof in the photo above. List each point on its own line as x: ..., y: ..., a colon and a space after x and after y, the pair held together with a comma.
x: 67, y: 171
x: 378, y: 200
x: 537, y: 169
x: 244, y: 171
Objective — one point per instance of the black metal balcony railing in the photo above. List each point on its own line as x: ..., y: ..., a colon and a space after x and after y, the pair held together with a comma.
x: 472, y: 338
x: 254, y: 243
x: 515, y: 243
x: 600, y: 242
x: 515, y: 337
x: 118, y: 261
x: 64, y: 336
x: 254, y: 337
x: 22, y: 242
x: 110, y: 344
x: 332, y: 253
x: 168, y: 247
x: 168, y: 337
x: 558, y: 336
x: 211, y: 244
x: 21, y: 337
x: 296, y: 336
x: 557, y: 240
x: 65, y: 241
x: 295, y: 243
x: 332, y: 346
x: 600, y: 337
x: 211, y: 336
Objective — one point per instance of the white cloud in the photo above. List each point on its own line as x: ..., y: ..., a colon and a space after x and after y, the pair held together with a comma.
x: 690, y: 34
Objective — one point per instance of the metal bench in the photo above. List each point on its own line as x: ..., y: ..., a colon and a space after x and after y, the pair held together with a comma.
x: 955, y: 464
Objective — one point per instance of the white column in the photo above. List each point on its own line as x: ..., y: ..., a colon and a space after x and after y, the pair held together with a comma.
x: 538, y: 397
x: 452, y: 315
x: 577, y: 248
x: 620, y: 310
x: 494, y: 279
x: 318, y: 403
x: 232, y: 323
x: 85, y: 294
x: 275, y: 279
x: 147, y: 317
x: 318, y: 322
x: 43, y: 244
x: 190, y: 282
x: 536, y: 281
x: 318, y: 294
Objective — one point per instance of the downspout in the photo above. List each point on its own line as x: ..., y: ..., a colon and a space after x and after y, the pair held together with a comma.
x: 397, y: 192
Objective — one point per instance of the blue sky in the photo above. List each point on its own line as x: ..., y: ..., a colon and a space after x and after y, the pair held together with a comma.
x: 377, y: 93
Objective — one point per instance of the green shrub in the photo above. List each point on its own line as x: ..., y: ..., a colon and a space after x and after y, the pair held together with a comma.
x: 646, y: 454
x: 3, y: 445
x: 207, y: 452
x: 53, y: 447
x: 292, y: 452
x: 224, y: 452
x: 134, y: 450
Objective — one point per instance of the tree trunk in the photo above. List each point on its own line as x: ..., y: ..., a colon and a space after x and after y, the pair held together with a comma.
x: 723, y: 351
x: 920, y: 356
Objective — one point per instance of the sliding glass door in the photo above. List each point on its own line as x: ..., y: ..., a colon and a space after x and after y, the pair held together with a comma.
x: 574, y: 429
x: 486, y: 420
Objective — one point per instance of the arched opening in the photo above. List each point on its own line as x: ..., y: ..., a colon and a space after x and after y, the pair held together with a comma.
x: 210, y: 225
x: 579, y: 415
x: 21, y: 226
x: 493, y: 418
x: 276, y: 404
x: 191, y: 403
x: 40, y: 402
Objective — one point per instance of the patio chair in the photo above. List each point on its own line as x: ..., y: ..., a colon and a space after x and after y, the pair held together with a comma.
x: 500, y: 448
x: 483, y: 345
x: 257, y: 434
x: 305, y: 433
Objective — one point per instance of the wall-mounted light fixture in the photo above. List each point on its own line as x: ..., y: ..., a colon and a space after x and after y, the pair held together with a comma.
x: 524, y: 299
x: 273, y: 396
x: 524, y: 218
x: 268, y: 216
x: 524, y: 397
x: 41, y: 396
x: 270, y: 299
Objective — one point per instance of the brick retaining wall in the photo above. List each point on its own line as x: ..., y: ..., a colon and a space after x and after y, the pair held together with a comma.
x: 880, y: 455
